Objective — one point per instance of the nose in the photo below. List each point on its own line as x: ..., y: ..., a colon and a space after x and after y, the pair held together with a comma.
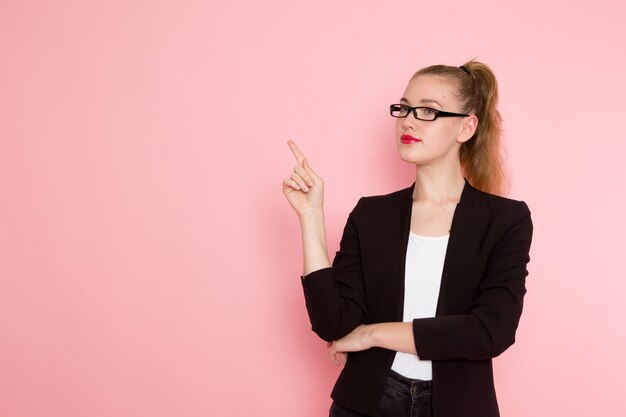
x: 409, y: 122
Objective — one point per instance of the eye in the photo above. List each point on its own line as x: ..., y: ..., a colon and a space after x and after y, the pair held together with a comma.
x: 427, y: 113
x: 399, y: 110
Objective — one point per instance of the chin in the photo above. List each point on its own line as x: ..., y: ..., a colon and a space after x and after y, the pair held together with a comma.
x: 411, y: 157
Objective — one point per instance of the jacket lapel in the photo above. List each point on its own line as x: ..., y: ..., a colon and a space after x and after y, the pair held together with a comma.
x: 456, y: 262
x: 402, y: 239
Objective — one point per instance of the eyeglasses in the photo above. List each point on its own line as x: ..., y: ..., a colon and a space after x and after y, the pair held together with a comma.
x: 421, y: 113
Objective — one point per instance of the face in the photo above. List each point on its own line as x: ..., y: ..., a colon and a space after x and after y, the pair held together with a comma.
x: 439, y: 140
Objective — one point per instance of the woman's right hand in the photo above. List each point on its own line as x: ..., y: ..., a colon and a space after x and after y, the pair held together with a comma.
x: 304, y: 189
x: 338, y: 358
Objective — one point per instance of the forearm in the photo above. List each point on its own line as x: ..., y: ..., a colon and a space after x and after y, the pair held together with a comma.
x: 393, y: 336
x: 314, y: 242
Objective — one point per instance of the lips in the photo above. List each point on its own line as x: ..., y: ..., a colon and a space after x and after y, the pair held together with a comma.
x: 407, y: 139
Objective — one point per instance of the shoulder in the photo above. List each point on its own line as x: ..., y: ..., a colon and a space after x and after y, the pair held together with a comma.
x: 380, y: 204
x: 496, y: 205
x: 389, y: 198
x: 497, y: 213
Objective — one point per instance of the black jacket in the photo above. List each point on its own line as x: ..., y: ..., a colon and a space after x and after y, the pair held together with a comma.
x: 478, y: 310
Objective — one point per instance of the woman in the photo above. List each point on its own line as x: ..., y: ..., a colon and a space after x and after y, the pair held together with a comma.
x: 428, y: 284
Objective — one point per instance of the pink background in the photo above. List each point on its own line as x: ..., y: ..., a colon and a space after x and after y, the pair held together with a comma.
x: 149, y: 262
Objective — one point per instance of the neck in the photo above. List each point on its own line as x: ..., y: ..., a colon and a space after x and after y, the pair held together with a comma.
x: 438, y: 184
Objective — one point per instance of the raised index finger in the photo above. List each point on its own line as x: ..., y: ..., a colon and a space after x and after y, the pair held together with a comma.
x: 296, y: 151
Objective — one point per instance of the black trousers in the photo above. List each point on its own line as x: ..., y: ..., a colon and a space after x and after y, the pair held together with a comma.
x: 401, y: 397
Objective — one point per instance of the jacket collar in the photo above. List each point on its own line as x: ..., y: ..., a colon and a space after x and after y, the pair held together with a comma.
x: 467, y: 194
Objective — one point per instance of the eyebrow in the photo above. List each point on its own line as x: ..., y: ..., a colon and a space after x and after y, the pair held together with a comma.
x: 424, y: 100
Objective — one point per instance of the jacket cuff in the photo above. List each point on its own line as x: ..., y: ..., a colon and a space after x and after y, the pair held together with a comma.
x: 322, y: 278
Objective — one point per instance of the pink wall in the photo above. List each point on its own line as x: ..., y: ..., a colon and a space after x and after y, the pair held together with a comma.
x: 149, y: 262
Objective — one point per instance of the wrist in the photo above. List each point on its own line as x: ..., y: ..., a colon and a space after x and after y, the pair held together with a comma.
x: 370, y: 336
x: 313, y: 214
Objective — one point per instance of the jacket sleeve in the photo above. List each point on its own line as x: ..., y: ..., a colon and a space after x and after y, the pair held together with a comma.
x: 489, y: 328
x: 335, y: 296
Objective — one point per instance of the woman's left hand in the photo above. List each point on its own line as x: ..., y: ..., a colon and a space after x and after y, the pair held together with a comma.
x: 355, y: 341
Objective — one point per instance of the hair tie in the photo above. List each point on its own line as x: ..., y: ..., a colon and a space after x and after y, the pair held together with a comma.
x: 465, y: 70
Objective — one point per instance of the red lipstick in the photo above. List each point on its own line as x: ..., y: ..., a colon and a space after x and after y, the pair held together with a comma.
x: 408, y: 139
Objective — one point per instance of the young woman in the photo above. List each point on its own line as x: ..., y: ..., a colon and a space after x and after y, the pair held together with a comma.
x: 428, y: 284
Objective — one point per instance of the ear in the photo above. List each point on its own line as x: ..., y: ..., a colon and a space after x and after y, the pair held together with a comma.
x: 468, y: 128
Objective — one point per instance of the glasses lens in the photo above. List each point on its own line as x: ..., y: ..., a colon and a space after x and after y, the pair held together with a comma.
x: 398, y: 110
x: 426, y: 113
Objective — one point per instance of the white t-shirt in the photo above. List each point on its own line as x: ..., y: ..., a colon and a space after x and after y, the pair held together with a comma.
x: 424, y: 264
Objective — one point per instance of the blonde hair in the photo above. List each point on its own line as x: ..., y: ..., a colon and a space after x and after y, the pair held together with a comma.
x: 480, y: 157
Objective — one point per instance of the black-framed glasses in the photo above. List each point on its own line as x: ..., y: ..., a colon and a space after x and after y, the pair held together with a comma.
x: 421, y: 113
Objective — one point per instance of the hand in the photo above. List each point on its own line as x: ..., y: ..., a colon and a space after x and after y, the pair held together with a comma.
x: 357, y: 340
x: 338, y: 358
x: 304, y: 189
